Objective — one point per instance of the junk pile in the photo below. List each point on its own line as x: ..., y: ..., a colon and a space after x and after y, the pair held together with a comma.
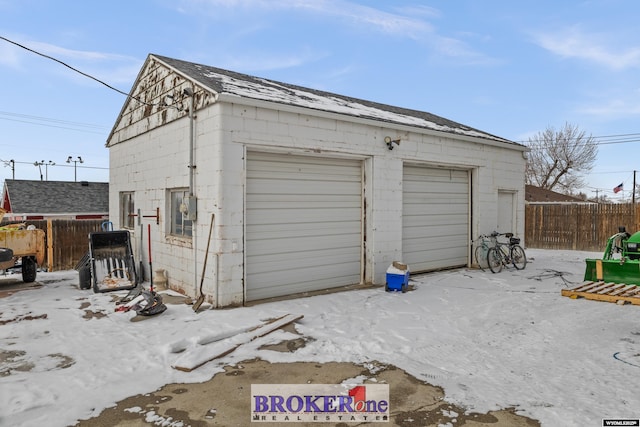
x: 143, y: 302
x: 109, y: 266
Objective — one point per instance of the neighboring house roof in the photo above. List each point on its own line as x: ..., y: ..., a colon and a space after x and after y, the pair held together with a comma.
x: 542, y: 195
x: 56, y: 197
x: 220, y: 81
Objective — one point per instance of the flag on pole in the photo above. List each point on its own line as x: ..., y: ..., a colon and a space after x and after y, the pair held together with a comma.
x: 618, y: 188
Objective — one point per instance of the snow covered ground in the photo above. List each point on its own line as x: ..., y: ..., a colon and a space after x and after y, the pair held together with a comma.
x: 490, y: 340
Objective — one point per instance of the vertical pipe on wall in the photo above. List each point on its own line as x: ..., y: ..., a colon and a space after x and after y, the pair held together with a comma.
x: 192, y: 167
x: 191, y: 139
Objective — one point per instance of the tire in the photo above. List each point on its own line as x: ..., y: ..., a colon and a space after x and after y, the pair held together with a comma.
x: 518, y: 257
x: 84, y: 277
x: 6, y: 254
x: 28, y: 269
x: 481, y: 256
x: 494, y: 259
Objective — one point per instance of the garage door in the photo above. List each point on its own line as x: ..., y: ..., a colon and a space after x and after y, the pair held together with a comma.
x: 435, y: 218
x: 303, y: 224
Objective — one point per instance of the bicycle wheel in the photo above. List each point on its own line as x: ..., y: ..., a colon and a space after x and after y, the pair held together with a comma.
x: 494, y: 259
x: 481, y: 256
x: 518, y: 257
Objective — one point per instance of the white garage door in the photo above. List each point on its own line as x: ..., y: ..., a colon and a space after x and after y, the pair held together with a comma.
x: 435, y: 218
x: 303, y: 224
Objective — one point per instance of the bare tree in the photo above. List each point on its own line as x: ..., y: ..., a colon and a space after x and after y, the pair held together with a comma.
x: 559, y: 159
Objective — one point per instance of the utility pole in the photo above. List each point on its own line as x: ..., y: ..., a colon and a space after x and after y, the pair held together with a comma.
x: 46, y: 168
x: 39, y: 165
x: 13, y: 167
x: 633, y: 194
x: 75, y: 164
x: 633, y: 201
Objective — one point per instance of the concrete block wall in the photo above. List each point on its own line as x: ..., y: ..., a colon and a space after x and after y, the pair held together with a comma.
x: 157, y: 160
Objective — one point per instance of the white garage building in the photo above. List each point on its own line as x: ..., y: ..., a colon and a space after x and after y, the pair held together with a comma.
x: 302, y: 190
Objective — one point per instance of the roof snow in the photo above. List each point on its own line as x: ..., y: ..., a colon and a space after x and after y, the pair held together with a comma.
x: 246, y: 86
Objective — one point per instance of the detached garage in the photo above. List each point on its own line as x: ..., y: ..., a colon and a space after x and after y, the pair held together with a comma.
x: 302, y: 190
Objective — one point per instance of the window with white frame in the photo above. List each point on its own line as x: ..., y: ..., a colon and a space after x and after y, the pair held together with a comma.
x: 180, y: 225
x: 127, y: 209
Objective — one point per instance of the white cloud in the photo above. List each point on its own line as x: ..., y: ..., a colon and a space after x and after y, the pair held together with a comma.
x: 261, y: 61
x: 419, y: 10
x: 116, y: 68
x: 613, y: 108
x: 383, y: 21
x: 573, y: 42
x: 406, y: 22
x: 8, y: 55
x: 453, y: 48
x: 62, y: 52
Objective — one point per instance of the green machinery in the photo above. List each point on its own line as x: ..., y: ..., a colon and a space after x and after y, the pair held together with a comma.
x: 620, y: 262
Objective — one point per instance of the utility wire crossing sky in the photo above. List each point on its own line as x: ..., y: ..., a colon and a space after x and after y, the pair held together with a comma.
x: 511, y: 69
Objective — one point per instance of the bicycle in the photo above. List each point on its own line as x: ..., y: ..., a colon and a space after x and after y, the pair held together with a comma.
x: 503, y: 253
x: 483, y: 243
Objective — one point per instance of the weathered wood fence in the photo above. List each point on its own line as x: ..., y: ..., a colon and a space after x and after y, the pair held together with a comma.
x: 584, y: 227
x: 66, y: 241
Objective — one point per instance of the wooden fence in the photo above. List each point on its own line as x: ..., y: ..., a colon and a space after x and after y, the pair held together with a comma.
x: 66, y: 241
x: 584, y: 227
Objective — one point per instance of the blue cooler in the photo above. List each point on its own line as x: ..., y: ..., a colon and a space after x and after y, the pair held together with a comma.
x: 397, y: 277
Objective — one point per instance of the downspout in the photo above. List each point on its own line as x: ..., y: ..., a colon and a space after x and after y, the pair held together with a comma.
x: 190, y: 92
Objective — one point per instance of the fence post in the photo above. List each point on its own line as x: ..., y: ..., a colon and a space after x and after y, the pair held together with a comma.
x: 576, y: 231
x: 49, y: 245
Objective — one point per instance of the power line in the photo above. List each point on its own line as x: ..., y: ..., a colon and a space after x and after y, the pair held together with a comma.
x: 73, y: 69
x: 57, y: 165
x: 54, y: 123
x: 600, y: 140
x: 47, y: 119
x: 64, y: 64
x: 536, y: 143
x: 634, y: 135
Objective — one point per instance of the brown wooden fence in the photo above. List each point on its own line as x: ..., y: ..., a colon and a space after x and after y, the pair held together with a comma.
x: 66, y: 241
x: 584, y: 227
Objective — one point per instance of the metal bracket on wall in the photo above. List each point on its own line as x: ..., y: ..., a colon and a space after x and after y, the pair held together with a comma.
x: 156, y: 216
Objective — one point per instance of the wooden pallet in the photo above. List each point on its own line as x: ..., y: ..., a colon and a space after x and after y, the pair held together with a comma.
x: 619, y: 293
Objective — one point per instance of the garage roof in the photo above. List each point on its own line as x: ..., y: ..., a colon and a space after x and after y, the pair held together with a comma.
x: 236, y: 84
x: 56, y: 197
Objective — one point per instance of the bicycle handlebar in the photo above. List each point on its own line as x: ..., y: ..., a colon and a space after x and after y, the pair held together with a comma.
x: 496, y: 234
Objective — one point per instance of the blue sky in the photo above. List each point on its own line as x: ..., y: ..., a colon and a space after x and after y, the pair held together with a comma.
x: 510, y: 68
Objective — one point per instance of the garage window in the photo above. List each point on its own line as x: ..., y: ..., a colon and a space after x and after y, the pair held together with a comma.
x: 127, y: 209
x: 180, y: 225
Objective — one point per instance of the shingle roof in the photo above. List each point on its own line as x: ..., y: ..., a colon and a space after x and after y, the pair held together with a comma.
x: 537, y: 194
x: 246, y: 86
x: 43, y: 197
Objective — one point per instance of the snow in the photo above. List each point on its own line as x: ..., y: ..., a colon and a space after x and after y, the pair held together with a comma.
x: 273, y: 91
x: 491, y: 341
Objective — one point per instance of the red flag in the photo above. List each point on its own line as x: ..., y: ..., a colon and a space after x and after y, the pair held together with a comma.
x: 618, y: 188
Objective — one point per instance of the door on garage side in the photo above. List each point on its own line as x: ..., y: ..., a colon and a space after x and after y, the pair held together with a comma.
x: 506, y: 209
x: 303, y: 224
x: 435, y: 218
